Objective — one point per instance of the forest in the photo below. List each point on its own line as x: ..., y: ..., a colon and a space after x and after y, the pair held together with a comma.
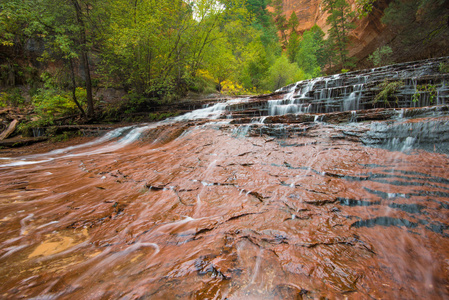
x: 54, y: 57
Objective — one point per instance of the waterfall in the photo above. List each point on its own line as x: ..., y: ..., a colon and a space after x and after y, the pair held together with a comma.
x: 226, y: 202
x: 357, y: 90
x: 293, y: 103
x: 38, y: 132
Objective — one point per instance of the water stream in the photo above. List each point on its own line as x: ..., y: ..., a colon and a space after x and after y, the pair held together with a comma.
x: 202, y: 207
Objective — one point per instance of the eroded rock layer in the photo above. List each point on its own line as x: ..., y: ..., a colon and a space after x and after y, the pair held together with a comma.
x: 213, y: 209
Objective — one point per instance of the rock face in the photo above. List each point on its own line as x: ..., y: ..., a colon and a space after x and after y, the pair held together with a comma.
x: 219, y: 203
x: 370, y: 33
x: 309, y: 13
x: 367, y: 36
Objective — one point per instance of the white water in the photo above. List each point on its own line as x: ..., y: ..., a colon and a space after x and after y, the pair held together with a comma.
x: 117, y: 138
x: 211, y: 112
x: 293, y: 103
x: 111, y: 140
x: 323, y: 94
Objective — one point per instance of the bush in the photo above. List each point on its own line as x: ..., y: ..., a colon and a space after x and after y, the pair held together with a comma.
x: 203, y: 83
x: 51, y: 102
x: 381, y: 56
x: 282, y: 73
x: 443, y: 67
x: 12, y: 97
x: 388, y: 90
x: 429, y: 89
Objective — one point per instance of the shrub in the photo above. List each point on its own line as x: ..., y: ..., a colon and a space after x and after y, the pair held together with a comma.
x: 426, y: 88
x: 51, y: 103
x: 381, y: 56
x: 388, y: 91
x: 282, y: 73
x: 12, y: 97
x: 443, y: 67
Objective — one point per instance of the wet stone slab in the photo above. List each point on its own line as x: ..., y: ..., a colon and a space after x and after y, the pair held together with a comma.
x: 206, y: 210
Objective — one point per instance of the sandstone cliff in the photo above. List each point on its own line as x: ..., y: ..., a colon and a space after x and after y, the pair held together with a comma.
x: 370, y: 32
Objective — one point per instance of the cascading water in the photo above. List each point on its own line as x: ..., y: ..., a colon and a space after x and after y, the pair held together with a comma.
x: 356, y: 90
x: 203, y: 206
x: 292, y: 103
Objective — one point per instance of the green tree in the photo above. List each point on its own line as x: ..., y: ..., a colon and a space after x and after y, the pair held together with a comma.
x: 293, y: 40
x: 280, y: 21
x: 65, y: 30
x: 381, y: 56
x: 255, y: 62
x: 152, y: 48
x: 262, y: 22
x: 227, y: 54
x: 155, y: 48
x: 340, y: 19
x: 310, y: 56
x: 282, y: 73
x: 145, y: 45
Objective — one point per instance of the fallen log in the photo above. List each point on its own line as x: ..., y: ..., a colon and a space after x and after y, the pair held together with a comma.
x: 14, y: 142
x: 12, y: 126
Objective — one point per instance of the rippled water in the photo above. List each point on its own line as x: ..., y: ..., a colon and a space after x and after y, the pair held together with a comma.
x: 212, y: 210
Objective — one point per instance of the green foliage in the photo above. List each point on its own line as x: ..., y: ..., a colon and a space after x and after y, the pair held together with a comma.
x: 12, y: 97
x: 262, y: 22
x: 381, y: 56
x: 280, y: 21
x: 293, y: 41
x: 51, y: 101
x: 429, y: 89
x: 157, y: 50
x: 161, y: 116
x: 443, y: 67
x: 417, y: 23
x: 65, y: 136
x: 282, y: 73
x: 293, y: 46
x: 311, y: 55
x: 135, y: 102
x: 68, y: 31
x: 340, y: 19
x: 388, y: 91
x: 156, y: 47
x: 364, y: 7
x: 203, y: 83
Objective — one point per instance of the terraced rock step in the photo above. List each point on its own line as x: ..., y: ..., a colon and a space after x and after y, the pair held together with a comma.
x: 412, y: 84
x: 228, y: 202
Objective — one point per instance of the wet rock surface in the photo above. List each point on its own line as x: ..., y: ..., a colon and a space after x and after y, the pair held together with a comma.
x: 289, y: 208
x: 412, y: 84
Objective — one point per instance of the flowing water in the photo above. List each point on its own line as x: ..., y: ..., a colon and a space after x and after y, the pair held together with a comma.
x: 200, y: 207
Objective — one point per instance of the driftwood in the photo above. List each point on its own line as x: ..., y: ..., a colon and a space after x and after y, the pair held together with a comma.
x: 12, y: 126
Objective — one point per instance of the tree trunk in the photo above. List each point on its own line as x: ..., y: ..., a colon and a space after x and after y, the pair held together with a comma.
x: 85, y: 59
x: 74, y: 90
x: 90, y: 101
